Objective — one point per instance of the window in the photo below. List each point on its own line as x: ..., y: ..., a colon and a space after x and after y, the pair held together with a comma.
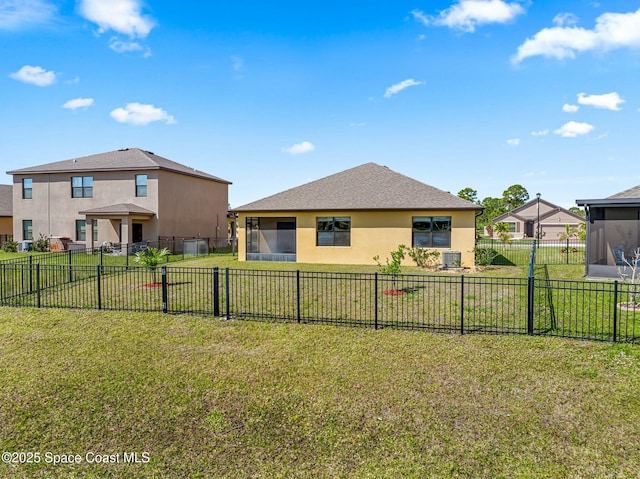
x: 81, y: 230
x: 95, y: 230
x: 82, y: 186
x: 27, y: 188
x: 333, y: 231
x: 512, y: 227
x: 431, y: 232
x: 141, y: 185
x: 27, y: 229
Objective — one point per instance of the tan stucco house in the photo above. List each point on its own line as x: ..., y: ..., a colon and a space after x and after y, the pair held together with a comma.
x: 523, y: 221
x: 352, y: 216
x: 124, y: 196
x: 6, y: 212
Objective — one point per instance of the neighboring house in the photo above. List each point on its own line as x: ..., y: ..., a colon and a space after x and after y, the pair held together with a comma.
x: 6, y: 212
x: 523, y: 221
x: 613, y: 232
x: 352, y: 216
x: 124, y: 196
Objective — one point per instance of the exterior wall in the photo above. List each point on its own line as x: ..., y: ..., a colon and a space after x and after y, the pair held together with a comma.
x: 54, y: 212
x: 192, y: 207
x: 554, y: 226
x: 372, y: 233
x: 6, y: 225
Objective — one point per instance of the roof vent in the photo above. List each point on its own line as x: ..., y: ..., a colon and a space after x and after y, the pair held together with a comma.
x: 123, y: 149
x: 150, y: 152
x: 75, y: 161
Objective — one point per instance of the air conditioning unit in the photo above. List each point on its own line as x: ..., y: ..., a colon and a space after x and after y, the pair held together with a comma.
x: 451, y: 259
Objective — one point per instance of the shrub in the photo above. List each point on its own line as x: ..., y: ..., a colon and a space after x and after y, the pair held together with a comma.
x: 392, y: 267
x: 41, y: 244
x: 10, y: 246
x: 485, y: 256
x: 424, y: 258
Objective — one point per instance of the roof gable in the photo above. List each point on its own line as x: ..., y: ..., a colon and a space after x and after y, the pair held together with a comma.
x: 529, y: 211
x: 124, y: 159
x: 365, y: 187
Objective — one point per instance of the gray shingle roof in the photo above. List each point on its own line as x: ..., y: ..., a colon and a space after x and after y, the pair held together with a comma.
x: 365, y: 187
x: 125, y: 159
x: 119, y: 209
x: 630, y: 193
x: 6, y: 200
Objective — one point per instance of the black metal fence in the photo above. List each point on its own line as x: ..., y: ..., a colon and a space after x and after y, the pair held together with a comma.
x: 108, y: 255
x: 551, y: 252
x: 463, y: 304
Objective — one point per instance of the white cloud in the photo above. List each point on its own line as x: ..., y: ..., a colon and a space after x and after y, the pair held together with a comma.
x: 34, y: 75
x: 513, y: 141
x: 121, y: 16
x: 78, y: 103
x: 573, y: 129
x: 17, y: 14
x: 608, y: 101
x: 139, y: 114
x: 467, y: 14
x: 570, y: 108
x: 300, y: 148
x: 562, y: 19
x: 540, y: 133
x: 398, y: 87
x: 119, y: 46
x: 612, y: 31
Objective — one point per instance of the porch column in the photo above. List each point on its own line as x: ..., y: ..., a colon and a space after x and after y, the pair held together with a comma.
x: 88, y: 228
x: 125, y: 232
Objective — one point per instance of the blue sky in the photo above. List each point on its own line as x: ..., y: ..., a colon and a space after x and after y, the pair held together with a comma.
x: 270, y: 95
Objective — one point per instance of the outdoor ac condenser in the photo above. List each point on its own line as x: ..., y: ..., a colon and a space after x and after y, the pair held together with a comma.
x: 451, y: 259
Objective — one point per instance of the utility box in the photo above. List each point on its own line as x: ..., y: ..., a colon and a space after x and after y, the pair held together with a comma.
x: 451, y: 259
x: 196, y: 247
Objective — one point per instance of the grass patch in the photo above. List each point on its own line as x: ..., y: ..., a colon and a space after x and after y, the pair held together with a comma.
x: 241, y: 399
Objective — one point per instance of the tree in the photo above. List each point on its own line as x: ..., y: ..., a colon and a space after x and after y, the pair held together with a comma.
x: 514, y: 196
x: 578, y: 211
x: 492, y: 207
x: 151, y: 258
x: 469, y: 194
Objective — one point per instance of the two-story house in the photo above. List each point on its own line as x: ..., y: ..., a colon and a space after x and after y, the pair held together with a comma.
x: 124, y: 196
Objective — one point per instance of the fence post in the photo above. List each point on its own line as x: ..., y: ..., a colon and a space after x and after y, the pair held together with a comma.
x: 38, y: 282
x: 530, y: 296
x: 216, y: 292
x: 226, y: 292
x: 101, y: 253
x: 99, y: 286
x: 298, y: 294
x: 615, y: 310
x: 165, y: 295
x: 567, y: 252
x: 375, y: 300
x: 70, y: 267
x: 31, y: 273
x: 462, y: 304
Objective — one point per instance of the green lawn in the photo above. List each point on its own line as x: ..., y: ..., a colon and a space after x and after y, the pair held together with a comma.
x: 208, y: 398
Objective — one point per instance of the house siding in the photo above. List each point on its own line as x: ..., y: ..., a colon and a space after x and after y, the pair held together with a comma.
x: 191, y: 206
x: 372, y: 233
x: 54, y: 212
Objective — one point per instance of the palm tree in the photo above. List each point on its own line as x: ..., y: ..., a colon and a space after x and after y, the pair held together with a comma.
x: 151, y: 258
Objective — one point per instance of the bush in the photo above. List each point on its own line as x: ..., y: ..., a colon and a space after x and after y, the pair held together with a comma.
x: 41, y: 244
x: 485, y: 256
x: 392, y: 267
x: 10, y: 246
x: 424, y: 258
